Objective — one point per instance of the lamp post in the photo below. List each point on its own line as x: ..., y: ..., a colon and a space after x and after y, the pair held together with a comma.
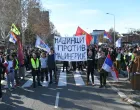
x: 114, y: 25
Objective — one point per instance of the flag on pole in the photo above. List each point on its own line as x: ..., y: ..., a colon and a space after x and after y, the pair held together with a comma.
x: 15, y: 30
x: 109, y: 67
x: 13, y: 38
x: 118, y: 42
x: 107, y: 36
x: 41, y: 44
x: 20, y: 52
x: 80, y: 32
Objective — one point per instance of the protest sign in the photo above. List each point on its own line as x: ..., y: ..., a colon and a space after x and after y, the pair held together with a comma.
x: 70, y: 48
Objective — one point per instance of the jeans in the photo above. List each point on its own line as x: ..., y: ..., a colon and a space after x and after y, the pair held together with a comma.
x: 34, y: 74
x: 50, y: 71
x: 16, y: 77
x: 90, y: 70
x: 44, y: 71
x: 22, y: 71
x: 10, y: 79
x: 103, y: 79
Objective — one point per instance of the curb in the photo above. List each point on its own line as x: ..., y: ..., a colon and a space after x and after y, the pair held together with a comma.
x: 124, y: 97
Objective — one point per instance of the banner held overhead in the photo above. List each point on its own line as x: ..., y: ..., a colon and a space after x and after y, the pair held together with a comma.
x: 70, y: 48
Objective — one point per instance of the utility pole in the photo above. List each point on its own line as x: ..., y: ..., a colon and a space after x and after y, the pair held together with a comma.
x: 114, y: 26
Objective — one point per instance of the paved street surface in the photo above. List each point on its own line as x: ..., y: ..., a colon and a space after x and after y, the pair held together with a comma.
x: 70, y: 93
x: 125, y: 86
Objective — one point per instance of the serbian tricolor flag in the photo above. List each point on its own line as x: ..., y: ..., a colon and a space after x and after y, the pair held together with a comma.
x: 80, y: 32
x: 13, y: 38
x: 41, y: 44
x: 109, y: 67
x: 107, y: 36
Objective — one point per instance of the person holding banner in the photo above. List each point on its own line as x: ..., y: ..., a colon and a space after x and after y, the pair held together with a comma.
x: 44, y: 69
x: 90, y: 67
x: 35, y: 65
x: 65, y: 64
x: 51, y: 65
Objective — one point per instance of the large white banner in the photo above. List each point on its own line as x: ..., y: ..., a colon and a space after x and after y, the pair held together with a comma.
x: 70, y: 48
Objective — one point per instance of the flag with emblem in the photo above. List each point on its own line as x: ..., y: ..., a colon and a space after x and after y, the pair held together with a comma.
x: 80, y: 32
x: 15, y: 30
x: 13, y: 38
x: 41, y: 44
x: 109, y: 67
x: 107, y: 36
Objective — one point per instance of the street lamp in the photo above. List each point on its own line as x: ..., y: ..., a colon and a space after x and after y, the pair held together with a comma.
x: 114, y: 25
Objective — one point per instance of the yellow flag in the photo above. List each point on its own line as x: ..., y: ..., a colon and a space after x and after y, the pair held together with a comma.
x: 14, y: 29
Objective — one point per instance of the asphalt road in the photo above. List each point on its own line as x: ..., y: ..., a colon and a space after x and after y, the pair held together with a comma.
x: 68, y: 97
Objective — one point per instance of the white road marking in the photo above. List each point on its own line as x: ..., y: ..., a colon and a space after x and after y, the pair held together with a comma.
x: 57, y: 100
x: 78, y: 79
x: 28, y: 83
x: 62, y: 79
x: 96, y: 80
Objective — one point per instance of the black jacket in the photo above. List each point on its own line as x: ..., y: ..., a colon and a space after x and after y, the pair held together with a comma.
x: 90, y: 61
x: 51, y: 61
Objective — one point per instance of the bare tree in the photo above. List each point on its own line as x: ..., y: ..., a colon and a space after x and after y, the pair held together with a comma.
x: 9, y: 13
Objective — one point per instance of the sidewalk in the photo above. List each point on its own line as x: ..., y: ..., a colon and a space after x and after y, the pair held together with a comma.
x: 124, y: 89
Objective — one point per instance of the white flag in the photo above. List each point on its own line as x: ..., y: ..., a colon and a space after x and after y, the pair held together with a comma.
x: 41, y: 44
x: 118, y: 42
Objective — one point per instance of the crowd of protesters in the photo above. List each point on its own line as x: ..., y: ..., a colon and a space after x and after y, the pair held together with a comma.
x: 126, y: 60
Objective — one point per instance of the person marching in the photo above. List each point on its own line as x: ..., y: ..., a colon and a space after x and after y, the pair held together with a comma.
x: 35, y: 65
x: 90, y: 67
x: 103, y: 73
x: 44, y: 67
x: 65, y: 64
x: 10, y: 72
x: 52, y: 66
x: 1, y: 68
x: 16, y: 68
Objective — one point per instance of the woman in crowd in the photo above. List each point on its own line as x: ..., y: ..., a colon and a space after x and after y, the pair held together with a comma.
x: 44, y: 66
x: 10, y: 72
x: 136, y: 62
x: 90, y: 67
